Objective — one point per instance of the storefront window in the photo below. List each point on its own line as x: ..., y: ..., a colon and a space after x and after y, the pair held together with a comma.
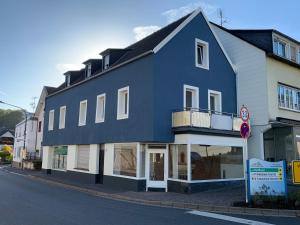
x: 125, y: 159
x: 60, y: 157
x: 216, y: 162
x: 178, y: 162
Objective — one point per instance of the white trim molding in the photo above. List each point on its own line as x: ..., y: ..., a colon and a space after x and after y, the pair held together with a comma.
x: 62, y: 117
x: 205, y: 53
x: 82, y: 123
x: 51, y: 120
x: 217, y: 93
x: 123, y: 115
x: 196, y: 96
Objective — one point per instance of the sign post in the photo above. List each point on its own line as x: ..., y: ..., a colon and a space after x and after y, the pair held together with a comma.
x: 296, y: 171
x: 245, y: 133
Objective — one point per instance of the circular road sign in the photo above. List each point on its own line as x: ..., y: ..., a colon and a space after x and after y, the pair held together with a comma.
x: 245, y: 130
x: 244, y: 114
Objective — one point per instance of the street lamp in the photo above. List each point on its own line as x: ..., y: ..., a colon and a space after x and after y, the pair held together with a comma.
x: 25, y: 113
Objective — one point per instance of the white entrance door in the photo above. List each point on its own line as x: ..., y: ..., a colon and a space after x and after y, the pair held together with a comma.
x: 156, y: 167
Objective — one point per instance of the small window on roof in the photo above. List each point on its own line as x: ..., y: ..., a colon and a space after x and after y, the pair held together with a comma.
x: 106, y: 62
x: 88, y: 70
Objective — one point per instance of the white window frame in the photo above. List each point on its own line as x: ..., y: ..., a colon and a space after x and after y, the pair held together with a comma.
x: 82, y: 123
x: 219, y: 94
x: 196, y: 90
x: 205, y: 45
x: 51, y: 123
x: 287, y: 105
x: 62, y: 118
x: 97, y: 119
x: 106, y: 62
x: 298, y: 54
x: 121, y: 115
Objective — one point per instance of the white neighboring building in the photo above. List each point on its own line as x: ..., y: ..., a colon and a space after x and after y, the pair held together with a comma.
x: 34, y: 134
x: 30, y: 139
x: 39, y: 114
x: 268, y: 83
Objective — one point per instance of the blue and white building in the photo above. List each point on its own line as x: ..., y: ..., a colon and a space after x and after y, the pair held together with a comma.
x: 161, y: 113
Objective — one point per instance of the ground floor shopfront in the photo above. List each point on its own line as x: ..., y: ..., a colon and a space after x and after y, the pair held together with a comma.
x: 192, y: 163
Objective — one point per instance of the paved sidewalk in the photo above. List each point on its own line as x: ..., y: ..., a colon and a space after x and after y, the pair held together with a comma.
x: 218, y: 200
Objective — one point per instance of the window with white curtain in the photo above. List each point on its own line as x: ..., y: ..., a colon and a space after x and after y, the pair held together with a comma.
x: 123, y: 103
x: 100, y: 108
x: 62, y: 117
x: 51, y: 120
x: 82, y: 113
x: 288, y: 97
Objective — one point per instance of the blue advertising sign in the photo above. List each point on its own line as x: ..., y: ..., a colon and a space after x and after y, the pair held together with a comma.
x: 266, y: 178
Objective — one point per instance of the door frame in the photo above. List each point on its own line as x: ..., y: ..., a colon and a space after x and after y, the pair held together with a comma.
x: 156, y: 184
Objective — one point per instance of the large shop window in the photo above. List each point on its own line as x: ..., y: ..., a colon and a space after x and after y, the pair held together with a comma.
x: 83, y: 157
x: 125, y: 159
x: 178, y: 162
x: 60, y: 157
x: 216, y: 162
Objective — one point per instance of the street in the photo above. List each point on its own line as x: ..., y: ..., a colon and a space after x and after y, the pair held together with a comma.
x: 25, y: 201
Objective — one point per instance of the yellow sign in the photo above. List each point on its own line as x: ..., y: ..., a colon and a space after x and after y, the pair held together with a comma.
x: 296, y: 171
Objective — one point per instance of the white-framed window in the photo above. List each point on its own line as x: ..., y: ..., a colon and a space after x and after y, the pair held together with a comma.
x: 288, y: 97
x: 190, y: 97
x: 293, y: 53
x: 82, y: 113
x: 62, y: 117
x: 51, y: 120
x: 88, y: 70
x: 202, y: 54
x: 106, y: 62
x: 279, y: 47
x: 123, y: 103
x: 299, y: 55
x: 68, y: 80
x: 214, y: 101
x: 100, y: 108
x: 83, y: 157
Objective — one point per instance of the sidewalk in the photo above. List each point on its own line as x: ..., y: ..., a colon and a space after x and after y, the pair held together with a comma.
x: 219, y: 200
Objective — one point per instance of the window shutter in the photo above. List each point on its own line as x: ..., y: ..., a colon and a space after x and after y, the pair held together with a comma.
x: 83, y: 156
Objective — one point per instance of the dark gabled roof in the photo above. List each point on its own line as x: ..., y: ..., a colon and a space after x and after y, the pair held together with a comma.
x: 262, y: 39
x: 91, y: 61
x: 149, y: 42
x: 50, y: 90
x: 4, y: 130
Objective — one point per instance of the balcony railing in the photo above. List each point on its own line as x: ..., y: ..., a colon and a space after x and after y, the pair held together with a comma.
x: 206, y: 119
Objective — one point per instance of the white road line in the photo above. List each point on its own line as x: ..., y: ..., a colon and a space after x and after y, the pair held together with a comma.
x: 19, y: 174
x: 228, y: 218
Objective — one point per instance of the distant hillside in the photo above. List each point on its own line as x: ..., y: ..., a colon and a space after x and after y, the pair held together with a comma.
x: 9, y: 118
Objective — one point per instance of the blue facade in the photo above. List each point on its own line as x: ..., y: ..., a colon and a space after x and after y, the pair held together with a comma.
x: 155, y: 90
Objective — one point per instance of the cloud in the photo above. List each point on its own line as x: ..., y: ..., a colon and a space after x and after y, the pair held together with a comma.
x: 142, y: 31
x: 174, y: 14
x: 64, y: 67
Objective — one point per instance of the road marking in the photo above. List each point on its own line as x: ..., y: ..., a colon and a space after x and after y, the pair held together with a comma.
x: 5, y: 170
x: 228, y: 218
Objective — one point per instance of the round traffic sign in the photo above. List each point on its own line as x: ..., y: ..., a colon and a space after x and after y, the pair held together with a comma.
x: 245, y: 130
x: 244, y: 114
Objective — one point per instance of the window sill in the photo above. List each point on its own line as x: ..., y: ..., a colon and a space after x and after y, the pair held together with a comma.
x: 61, y: 128
x: 122, y: 117
x: 288, y: 109
x: 202, y: 66
x: 99, y: 121
x: 80, y: 125
x: 83, y: 169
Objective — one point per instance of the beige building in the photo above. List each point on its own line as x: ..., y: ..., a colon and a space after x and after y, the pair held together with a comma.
x: 268, y: 83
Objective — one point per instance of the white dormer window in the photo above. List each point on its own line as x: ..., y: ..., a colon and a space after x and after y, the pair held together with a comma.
x: 68, y: 80
x: 202, y: 54
x: 106, y: 62
x: 88, y: 70
x: 123, y: 103
x: 279, y: 47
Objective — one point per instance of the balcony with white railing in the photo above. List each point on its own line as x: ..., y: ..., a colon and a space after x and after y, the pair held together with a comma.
x: 199, y: 118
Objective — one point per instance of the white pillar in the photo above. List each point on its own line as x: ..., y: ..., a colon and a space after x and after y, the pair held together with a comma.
x: 94, y: 159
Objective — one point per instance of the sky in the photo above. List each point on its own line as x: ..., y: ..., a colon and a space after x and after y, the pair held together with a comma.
x: 42, y: 39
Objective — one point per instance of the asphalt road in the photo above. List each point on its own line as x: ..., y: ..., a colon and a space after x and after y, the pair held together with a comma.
x: 25, y: 201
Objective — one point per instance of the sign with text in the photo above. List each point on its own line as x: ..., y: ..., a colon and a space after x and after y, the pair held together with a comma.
x: 266, y: 178
x: 296, y: 171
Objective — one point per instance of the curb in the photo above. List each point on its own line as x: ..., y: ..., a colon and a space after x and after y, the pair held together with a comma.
x: 177, y: 205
